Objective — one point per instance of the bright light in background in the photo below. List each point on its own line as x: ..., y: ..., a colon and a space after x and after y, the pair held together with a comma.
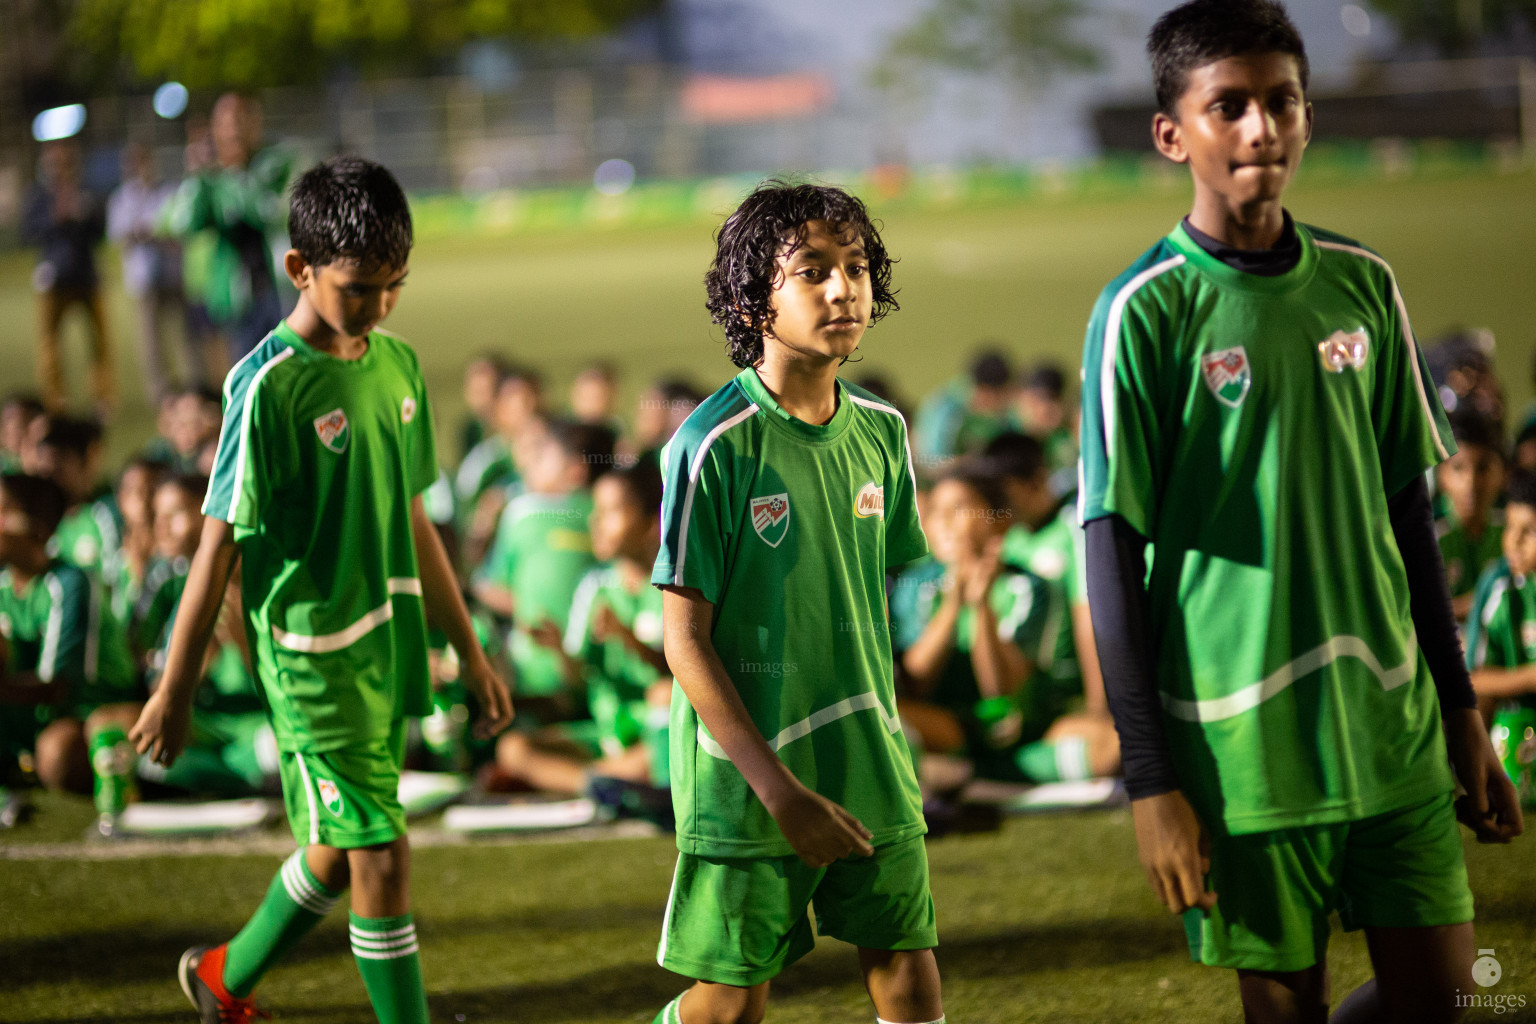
x: 614, y: 177
x: 58, y: 123
x: 1357, y: 22
x: 171, y: 100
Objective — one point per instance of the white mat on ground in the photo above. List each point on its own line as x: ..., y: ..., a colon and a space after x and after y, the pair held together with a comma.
x: 423, y: 792
x: 517, y: 817
x: 196, y: 819
x: 1052, y: 796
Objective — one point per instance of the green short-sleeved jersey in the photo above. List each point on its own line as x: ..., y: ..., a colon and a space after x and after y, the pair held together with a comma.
x: 616, y: 677
x: 1501, y: 631
x: 1466, y: 559
x: 486, y: 465
x: 164, y: 581
x: 787, y: 529
x: 57, y: 626
x: 317, y: 465
x: 1253, y: 428
x: 541, y: 552
x: 1053, y: 553
x: 89, y: 535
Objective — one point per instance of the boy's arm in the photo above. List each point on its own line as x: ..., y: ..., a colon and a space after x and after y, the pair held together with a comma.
x: 928, y: 655
x: 161, y: 731
x: 1504, y: 683
x: 818, y: 830
x: 445, y: 607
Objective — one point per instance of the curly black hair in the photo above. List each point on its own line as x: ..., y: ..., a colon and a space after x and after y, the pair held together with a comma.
x: 1202, y: 32
x: 348, y: 208
x: 769, y: 224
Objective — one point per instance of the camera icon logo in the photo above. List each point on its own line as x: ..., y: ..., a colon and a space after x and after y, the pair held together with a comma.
x: 1485, y: 969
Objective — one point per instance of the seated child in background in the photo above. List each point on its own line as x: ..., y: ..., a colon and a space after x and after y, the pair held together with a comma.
x: 482, y: 375
x: 491, y: 474
x: 1501, y: 638
x: 69, y: 454
x: 1043, y: 413
x: 178, y: 523
x: 67, y: 688
x: 17, y: 415
x: 539, y: 556
x: 970, y: 629
x: 125, y: 570
x: 612, y: 645
x: 662, y: 408
x: 594, y: 396
x: 1471, y: 528
x: 966, y: 413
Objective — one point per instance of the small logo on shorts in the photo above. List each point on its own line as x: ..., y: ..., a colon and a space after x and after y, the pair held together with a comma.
x: 870, y: 501
x: 329, y: 795
x: 1228, y: 375
x: 770, y: 517
x: 407, y: 409
x: 332, y: 428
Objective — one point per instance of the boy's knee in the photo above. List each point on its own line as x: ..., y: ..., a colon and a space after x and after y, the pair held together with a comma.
x: 726, y: 1004
x: 61, y: 758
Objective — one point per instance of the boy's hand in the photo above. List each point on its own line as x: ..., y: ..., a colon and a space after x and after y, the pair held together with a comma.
x: 818, y: 830
x: 1490, y: 807
x: 547, y: 635
x: 161, y: 731
x: 1175, y: 850
x: 495, y: 700
x: 606, y: 626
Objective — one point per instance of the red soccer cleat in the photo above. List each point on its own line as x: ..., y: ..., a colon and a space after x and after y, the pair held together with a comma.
x: 201, y: 973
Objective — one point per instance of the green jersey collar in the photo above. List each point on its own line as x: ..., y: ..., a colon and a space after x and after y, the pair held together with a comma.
x: 752, y: 384
x: 1231, y: 277
x: 291, y: 336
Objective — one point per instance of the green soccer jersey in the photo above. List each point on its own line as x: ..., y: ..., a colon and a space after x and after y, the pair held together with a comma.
x: 164, y: 581
x: 1054, y: 553
x: 541, y: 552
x: 318, y: 462
x: 1253, y: 428
x: 1466, y: 558
x: 616, y: 676
x: 1501, y: 631
x: 57, y: 627
x: 787, y: 529
x: 89, y: 536
x: 488, y: 464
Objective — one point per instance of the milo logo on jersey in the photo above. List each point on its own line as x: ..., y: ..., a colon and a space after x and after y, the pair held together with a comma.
x: 1228, y: 375
x: 770, y: 517
x: 1342, y: 351
x: 870, y: 501
x: 330, y: 796
x: 332, y: 428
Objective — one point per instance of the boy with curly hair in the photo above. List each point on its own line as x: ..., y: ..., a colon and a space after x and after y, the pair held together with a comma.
x: 787, y: 496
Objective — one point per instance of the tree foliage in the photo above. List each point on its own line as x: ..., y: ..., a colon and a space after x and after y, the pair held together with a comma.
x: 1453, y: 26
x: 209, y: 44
x: 1029, y: 40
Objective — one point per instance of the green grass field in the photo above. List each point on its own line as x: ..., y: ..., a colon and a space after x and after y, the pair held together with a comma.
x: 1025, y: 274
x: 1048, y: 919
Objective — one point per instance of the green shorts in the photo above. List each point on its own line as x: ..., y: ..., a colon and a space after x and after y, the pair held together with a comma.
x: 742, y: 920
x: 346, y: 798
x: 1275, y: 890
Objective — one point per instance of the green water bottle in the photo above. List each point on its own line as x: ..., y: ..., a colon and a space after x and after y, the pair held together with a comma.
x: 446, y: 731
x: 1514, y: 742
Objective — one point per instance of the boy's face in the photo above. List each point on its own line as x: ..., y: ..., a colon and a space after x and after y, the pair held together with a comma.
x: 1472, y: 480
x: 135, y: 489
x: 1042, y: 411
x: 517, y: 406
x: 823, y: 297
x: 1520, y: 538
x: 350, y: 299
x: 178, y: 522
x: 480, y: 387
x: 960, y: 523
x: 1243, y: 123
x: 15, y: 529
x: 618, y: 522
x: 65, y: 468
x: 592, y: 398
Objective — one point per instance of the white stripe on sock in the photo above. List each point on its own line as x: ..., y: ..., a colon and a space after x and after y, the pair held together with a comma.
x: 390, y: 955
x: 404, y: 940
x: 302, y: 890
x: 357, y: 932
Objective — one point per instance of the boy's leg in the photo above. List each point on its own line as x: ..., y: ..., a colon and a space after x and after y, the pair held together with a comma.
x: 543, y: 760
x: 63, y: 764
x: 304, y: 890
x: 1285, y: 997
x: 1419, y: 973
x: 384, y: 932
x: 903, y: 985
x: 709, y: 1002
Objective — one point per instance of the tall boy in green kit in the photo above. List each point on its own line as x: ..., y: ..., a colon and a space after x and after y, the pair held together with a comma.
x: 327, y: 447
x: 786, y: 496
x: 1287, y: 682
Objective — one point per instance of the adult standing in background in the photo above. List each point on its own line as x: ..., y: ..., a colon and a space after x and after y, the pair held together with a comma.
x: 65, y: 221
x: 241, y: 200
x: 151, y: 268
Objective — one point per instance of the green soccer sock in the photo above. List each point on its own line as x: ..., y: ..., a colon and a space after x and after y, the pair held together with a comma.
x: 385, y: 948
x: 1060, y: 761
x: 295, y: 903
x: 672, y: 1013
x: 112, y: 759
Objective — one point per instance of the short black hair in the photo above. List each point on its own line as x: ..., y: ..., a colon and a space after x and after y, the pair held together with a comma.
x: 768, y: 224
x: 509, y: 371
x: 40, y: 498
x: 676, y: 391
x: 1012, y: 454
x: 592, y: 443
x: 1469, y: 426
x: 1202, y: 32
x: 348, y: 208
x: 987, y: 485
x: 643, y: 482
x: 1046, y: 377
x: 194, y: 485
x: 26, y: 401
x: 1521, y: 488
x: 990, y: 369
x: 71, y: 435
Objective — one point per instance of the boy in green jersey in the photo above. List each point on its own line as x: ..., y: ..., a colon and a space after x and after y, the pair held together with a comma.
x: 327, y: 446
x: 178, y: 525
x: 70, y: 454
x: 611, y: 647
x: 788, y: 494
x: 68, y: 684
x: 540, y: 554
x: 1287, y: 682
x: 1501, y: 634
x: 1471, y: 530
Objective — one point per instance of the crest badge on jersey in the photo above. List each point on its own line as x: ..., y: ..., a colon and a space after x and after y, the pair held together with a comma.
x: 1228, y: 375
x: 329, y: 795
x: 333, y: 430
x: 407, y: 409
x: 870, y: 501
x: 1344, y: 350
x: 770, y: 517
